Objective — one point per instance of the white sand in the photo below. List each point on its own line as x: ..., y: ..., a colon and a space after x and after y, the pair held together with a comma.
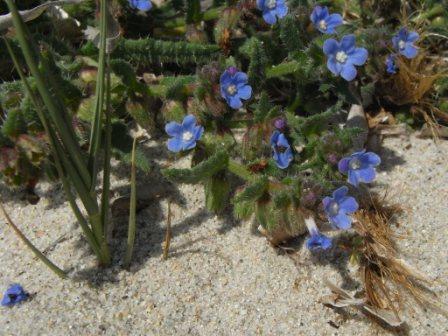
x: 220, y: 279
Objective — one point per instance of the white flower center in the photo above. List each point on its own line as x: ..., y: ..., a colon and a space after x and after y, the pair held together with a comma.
x: 341, y: 57
x: 355, y: 163
x: 271, y: 4
x: 334, y: 208
x: 231, y: 89
x: 401, y: 44
x: 186, y: 136
x: 322, y: 25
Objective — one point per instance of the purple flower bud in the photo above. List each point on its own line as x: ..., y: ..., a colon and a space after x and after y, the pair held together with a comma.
x: 280, y: 123
x: 232, y: 70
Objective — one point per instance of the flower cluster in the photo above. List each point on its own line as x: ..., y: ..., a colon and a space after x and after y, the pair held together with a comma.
x: 272, y: 10
x: 360, y: 167
x: 403, y: 43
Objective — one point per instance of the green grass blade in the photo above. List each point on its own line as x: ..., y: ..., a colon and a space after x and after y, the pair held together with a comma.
x: 30, y: 245
x: 132, y: 210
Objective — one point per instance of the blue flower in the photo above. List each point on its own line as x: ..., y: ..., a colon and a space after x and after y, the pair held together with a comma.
x: 325, y: 22
x: 282, y: 152
x: 342, y: 57
x: 272, y: 9
x: 185, y: 135
x: 338, y: 206
x: 403, y: 42
x: 13, y: 295
x: 391, y: 67
x: 360, y: 167
x: 317, y: 240
x: 234, y: 87
x: 142, y: 5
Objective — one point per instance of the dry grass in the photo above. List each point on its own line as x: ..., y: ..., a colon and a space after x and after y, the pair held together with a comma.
x: 388, y: 280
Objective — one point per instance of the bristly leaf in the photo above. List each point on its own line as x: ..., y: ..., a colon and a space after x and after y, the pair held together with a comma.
x: 263, y: 108
x: 253, y: 192
x: 217, y: 190
x: 201, y: 172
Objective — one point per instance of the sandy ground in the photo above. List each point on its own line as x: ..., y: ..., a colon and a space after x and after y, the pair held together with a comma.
x: 221, y: 278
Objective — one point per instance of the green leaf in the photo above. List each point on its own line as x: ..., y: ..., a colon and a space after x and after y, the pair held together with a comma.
x: 217, y: 190
x: 201, y: 172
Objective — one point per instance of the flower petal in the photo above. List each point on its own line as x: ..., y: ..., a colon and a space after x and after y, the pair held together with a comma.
x: 282, y: 141
x: 189, y: 144
x: 274, y: 137
x: 371, y: 158
x: 175, y: 145
x: 282, y: 10
x: 348, y: 43
x: 198, y: 131
x: 225, y: 79
x: 234, y: 102
x: 343, y: 165
x: 340, y: 193
x: 334, y: 66
x: 412, y: 37
x: 245, y: 92
x: 358, y: 56
x: 348, y: 204
x: 348, y: 72
x: 269, y: 17
x: 353, y: 177
x: 333, y: 21
x: 341, y: 221
x: 189, y: 122
x: 410, y: 51
x: 316, y: 14
x: 260, y: 4
x: 326, y: 202
x: 239, y: 78
x: 173, y: 129
x: 143, y: 5
x: 331, y: 47
x: 367, y: 174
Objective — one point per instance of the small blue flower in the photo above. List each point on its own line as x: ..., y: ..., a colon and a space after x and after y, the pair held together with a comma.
x: 282, y: 152
x: 272, y: 9
x: 142, y: 5
x: 391, y: 67
x: 13, y: 295
x: 403, y: 42
x: 342, y: 57
x: 185, y: 135
x: 325, y: 22
x: 234, y: 87
x: 317, y: 240
x: 360, y: 167
x: 338, y: 206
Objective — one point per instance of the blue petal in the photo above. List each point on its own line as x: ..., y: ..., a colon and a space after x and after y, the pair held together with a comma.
x: 282, y: 10
x: 409, y: 51
x: 343, y: 165
x: 326, y: 203
x: 318, y: 241
x: 340, y: 193
x: 274, y: 137
x: 341, y: 221
x: 245, y: 92
x: 234, y: 102
x: 198, y: 131
x: 269, y: 17
x: 189, y: 122
x: 367, y: 174
x: 260, y: 4
x: 348, y: 204
x: 143, y: 5
x: 173, y: 129
x: 225, y: 79
x: 371, y: 158
x: 412, y: 37
x: 348, y: 43
x: 348, y: 72
x: 282, y: 141
x: 333, y: 21
x: 395, y: 41
x: 189, y: 144
x: 334, y: 66
x: 239, y: 78
x: 315, y: 15
x: 175, y: 145
x: 353, y: 177
x: 358, y: 56
x: 402, y: 34
x: 331, y: 47
x: 283, y: 159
